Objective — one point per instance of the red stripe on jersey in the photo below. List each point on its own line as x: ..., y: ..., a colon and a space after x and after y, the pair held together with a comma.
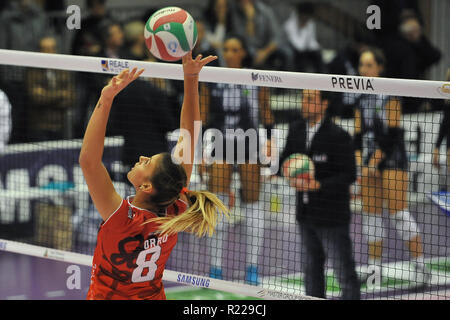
x: 179, y: 16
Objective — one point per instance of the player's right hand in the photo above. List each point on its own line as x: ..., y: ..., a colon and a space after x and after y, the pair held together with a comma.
x: 119, y: 82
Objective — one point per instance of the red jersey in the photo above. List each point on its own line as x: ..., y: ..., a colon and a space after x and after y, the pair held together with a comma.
x: 130, y: 258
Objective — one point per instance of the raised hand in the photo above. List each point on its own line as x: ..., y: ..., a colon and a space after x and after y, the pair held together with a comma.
x: 119, y: 82
x: 192, y: 67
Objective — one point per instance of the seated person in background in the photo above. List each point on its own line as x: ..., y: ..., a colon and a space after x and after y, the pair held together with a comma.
x: 22, y: 23
x: 87, y: 40
x: 300, y: 29
x: 257, y: 24
x: 217, y: 19
x: 5, y: 120
x: 409, y: 53
x: 346, y: 61
x: 135, y: 48
x: 112, y: 40
x: 51, y: 95
x: 203, y: 45
x: 88, y: 84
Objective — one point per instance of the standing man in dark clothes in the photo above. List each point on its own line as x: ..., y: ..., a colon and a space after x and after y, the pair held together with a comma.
x: 323, y: 202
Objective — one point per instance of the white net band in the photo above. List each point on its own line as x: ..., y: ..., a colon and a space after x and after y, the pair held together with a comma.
x: 265, y: 78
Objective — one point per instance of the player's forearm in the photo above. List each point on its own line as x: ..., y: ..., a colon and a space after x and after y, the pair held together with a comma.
x: 190, y: 111
x: 94, y: 137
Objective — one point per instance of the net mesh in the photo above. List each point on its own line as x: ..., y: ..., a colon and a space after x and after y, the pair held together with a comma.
x: 374, y: 225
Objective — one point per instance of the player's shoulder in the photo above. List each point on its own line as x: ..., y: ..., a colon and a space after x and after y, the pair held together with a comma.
x: 118, y: 214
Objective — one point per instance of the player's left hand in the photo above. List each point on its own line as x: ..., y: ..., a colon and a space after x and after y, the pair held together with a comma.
x: 192, y: 67
x: 119, y: 82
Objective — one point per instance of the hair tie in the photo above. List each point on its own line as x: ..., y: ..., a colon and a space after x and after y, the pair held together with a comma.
x: 184, y: 190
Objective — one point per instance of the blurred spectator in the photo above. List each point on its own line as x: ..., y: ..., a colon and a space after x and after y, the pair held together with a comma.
x: 5, y: 120
x: 409, y: 53
x: 54, y: 5
x: 55, y: 10
x: 87, y: 40
x: 217, y: 18
x: 444, y: 133
x: 392, y: 12
x: 300, y: 29
x: 346, y: 61
x: 135, y: 48
x: 258, y: 25
x: 22, y: 25
x: 112, y: 40
x: 203, y: 45
x: 51, y: 95
x: 3, y: 5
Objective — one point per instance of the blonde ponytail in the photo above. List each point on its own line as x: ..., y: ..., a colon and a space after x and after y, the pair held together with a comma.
x: 200, y: 218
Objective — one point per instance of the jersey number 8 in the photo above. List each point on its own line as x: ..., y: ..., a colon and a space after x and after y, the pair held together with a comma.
x: 143, y: 264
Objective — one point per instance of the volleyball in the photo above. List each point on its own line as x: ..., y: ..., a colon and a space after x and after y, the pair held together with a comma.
x: 170, y: 33
x: 298, y: 166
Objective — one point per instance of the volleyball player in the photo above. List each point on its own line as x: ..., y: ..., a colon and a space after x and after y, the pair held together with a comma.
x: 444, y: 133
x: 381, y: 155
x: 228, y: 106
x: 138, y: 233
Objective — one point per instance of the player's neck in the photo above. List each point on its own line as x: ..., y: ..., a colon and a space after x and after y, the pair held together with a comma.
x: 140, y: 200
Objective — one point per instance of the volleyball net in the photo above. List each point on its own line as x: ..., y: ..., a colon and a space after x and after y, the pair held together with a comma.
x: 397, y: 218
